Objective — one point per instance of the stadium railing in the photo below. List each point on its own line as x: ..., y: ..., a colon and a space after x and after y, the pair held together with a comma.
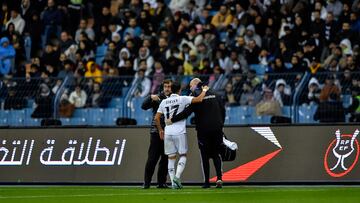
x: 110, y: 98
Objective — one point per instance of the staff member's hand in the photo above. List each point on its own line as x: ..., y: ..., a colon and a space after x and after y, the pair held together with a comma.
x: 155, y: 97
x: 161, y: 133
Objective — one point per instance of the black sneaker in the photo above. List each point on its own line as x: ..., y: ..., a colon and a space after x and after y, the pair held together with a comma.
x: 163, y: 186
x: 206, y: 185
x: 146, y: 186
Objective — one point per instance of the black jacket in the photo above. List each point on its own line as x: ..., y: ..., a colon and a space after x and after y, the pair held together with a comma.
x: 209, y: 114
x: 149, y: 103
x: 330, y: 112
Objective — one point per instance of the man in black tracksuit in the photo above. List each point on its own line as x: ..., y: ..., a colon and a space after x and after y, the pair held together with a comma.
x: 209, y: 120
x: 156, y: 148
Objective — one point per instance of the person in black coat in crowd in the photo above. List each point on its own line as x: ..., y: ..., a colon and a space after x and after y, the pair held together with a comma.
x: 330, y: 111
x: 156, y: 148
x: 43, y: 100
x: 14, y: 100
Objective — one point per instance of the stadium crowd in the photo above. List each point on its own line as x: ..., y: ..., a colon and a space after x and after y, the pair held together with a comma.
x: 151, y: 39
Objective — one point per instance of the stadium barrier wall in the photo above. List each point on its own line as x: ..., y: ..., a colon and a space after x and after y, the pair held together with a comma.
x: 118, y: 155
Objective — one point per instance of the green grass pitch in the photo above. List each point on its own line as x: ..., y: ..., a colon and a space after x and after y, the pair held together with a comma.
x: 190, y: 194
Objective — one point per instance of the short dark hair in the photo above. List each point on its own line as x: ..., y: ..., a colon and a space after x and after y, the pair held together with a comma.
x: 167, y: 81
x: 175, y: 87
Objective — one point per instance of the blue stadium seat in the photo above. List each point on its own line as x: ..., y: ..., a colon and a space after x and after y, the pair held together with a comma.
x: 4, y: 118
x: 116, y: 102
x: 260, y: 119
x: 237, y: 115
x: 100, y: 53
x: 96, y: 116
x: 81, y: 113
x: 213, y: 12
x: 30, y: 103
x: 65, y: 121
x: 125, y: 90
x: 111, y: 115
x: 286, y: 111
x: 306, y: 113
x: 31, y: 121
x: 260, y: 69
x: 73, y: 121
x: 78, y: 121
x: 137, y: 102
x: 17, y: 118
x: 346, y: 98
x: 144, y: 118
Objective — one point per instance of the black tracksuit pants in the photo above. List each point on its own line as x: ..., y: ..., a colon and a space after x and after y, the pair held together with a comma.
x: 210, y: 145
x: 156, y: 152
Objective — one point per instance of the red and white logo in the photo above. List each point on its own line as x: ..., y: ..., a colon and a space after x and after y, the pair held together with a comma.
x: 245, y: 171
x: 342, y: 154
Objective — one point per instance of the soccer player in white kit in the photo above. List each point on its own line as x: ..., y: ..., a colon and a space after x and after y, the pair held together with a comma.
x: 175, y: 139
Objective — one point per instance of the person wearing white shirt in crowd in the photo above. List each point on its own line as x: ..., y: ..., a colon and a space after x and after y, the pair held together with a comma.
x: 78, y: 97
x: 143, y: 84
x: 17, y: 20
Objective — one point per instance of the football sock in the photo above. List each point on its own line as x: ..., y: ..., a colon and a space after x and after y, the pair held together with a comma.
x: 181, y: 166
x: 171, y: 169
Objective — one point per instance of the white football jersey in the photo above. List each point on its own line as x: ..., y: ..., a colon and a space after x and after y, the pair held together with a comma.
x: 172, y: 106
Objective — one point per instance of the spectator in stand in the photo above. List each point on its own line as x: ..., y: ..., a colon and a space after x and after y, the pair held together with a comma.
x: 14, y: 100
x: 144, y: 54
x: 252, y: 53
x: 250, y: 96
x: 78, y: 97
x: 251, y: 35
x: 354, y: 108
x: 330, y: 111
x: 222, y: 19
x: 4, y: 15
x: 133, y: 30
x: 83, y: 27
x: 192, y: 64
x: 93, y: 71
x: 282, y: 93
x: 65, y: 41
x: 50, y: 55
x: 329, y: 87
x: 142, y: 83
x: 95, y: 97
x: 268, y: 106
x: 123, y: 56
x: 17, y: 20
x: 44, y: 101
x: 52, y: 19
x: 229, y: 97
x: 26, y: 10
x: 312, y: 95
x: 7, y: 55
x: 68, y: 69
x: 346, y: 82
x: 163, y: 51
x: 158, y: 77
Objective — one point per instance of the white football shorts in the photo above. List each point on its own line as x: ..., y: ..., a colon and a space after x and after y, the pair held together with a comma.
x: 175, y: 144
